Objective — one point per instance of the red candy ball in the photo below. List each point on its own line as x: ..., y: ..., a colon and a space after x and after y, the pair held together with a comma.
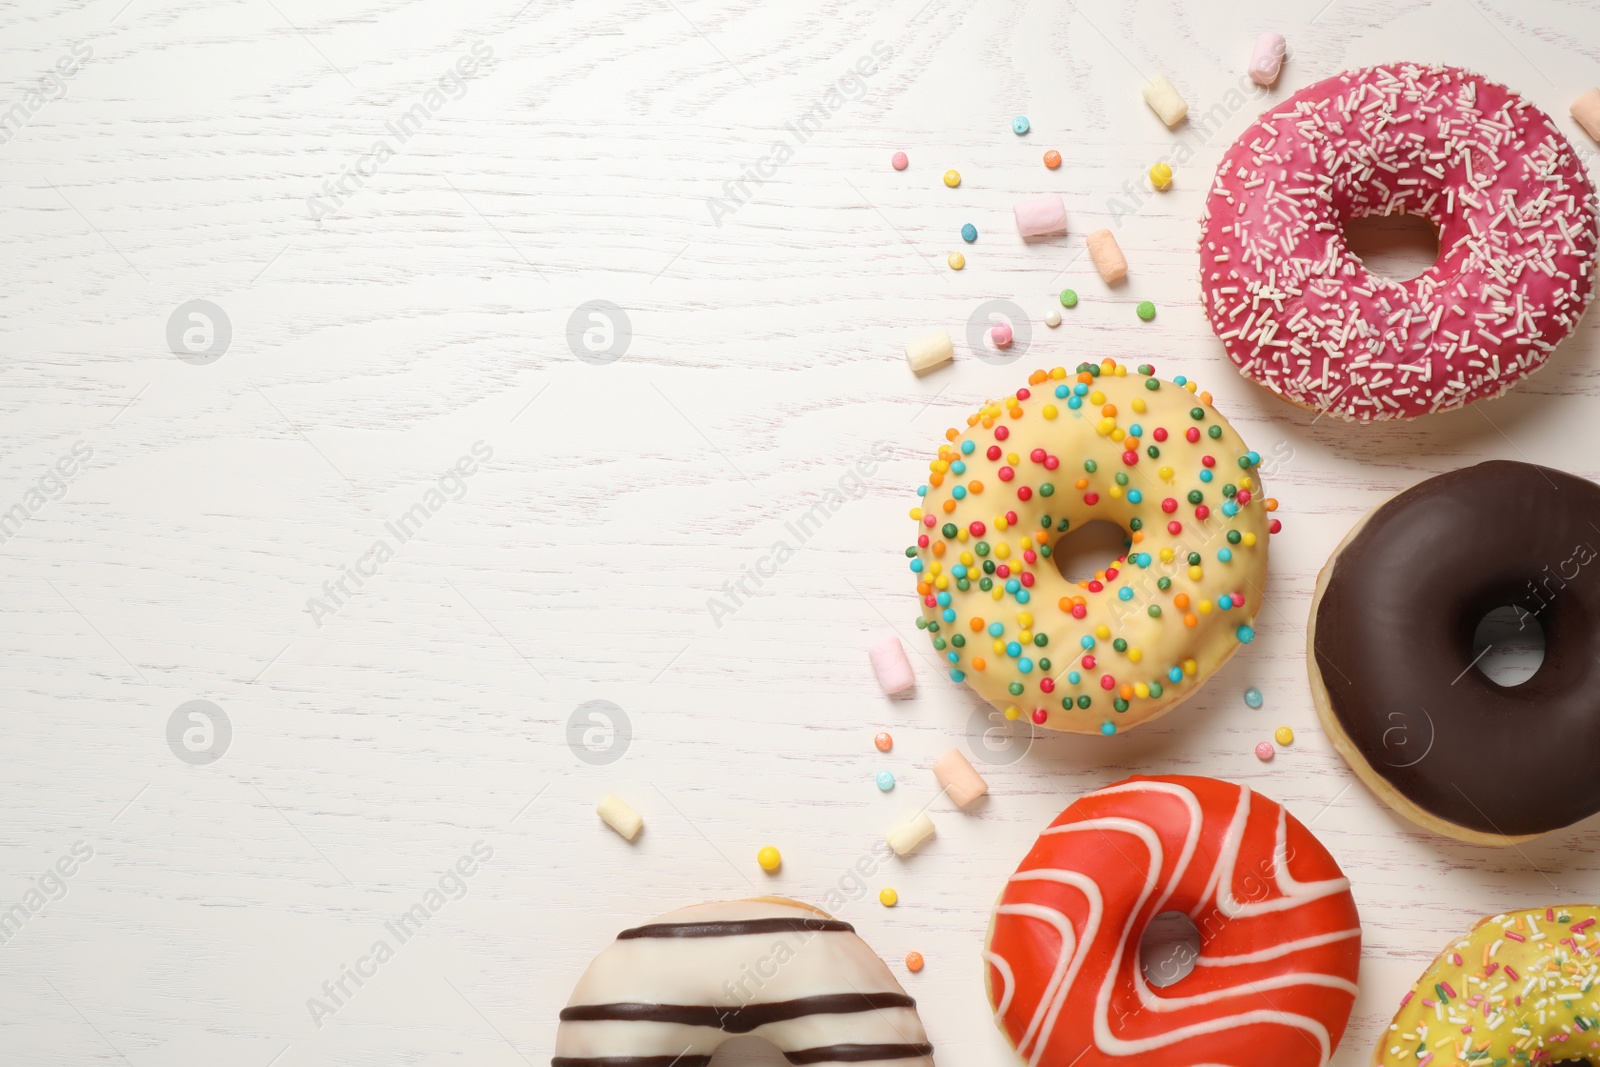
x: 1037, y: 455
x: 1174, y: 527
x: 1003, y: 432
x: 1006, y: 474
x: 993, y: 452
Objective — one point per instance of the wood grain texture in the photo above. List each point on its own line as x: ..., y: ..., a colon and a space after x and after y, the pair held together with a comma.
x: 191, y: 157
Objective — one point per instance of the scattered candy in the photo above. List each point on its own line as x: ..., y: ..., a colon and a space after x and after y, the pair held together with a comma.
x: 899, y: 161
x: 913, y: 962
x: 929, y: 352
x: 952, y: 178
x: 969, y: 233
x: 1107, y: 256
x: 1164, y: 100
x: 1253, y: 698
x: 1044, y: 217
x: 1069, y: 298
x: 904, y: 837
x: 1264, y: 751
x: 769, y: 858
x: 885, y: 781
x: 1000, y: 333
x: 888, y: 897
x: 957, y: 777
x: 956, y: 260
x: 1147, y: 311
x: 618, y: 815
x: 1161, y: 176
x: 1284, y: 736
x: 1267, y: 60
x: 889, y: 660
x: 1586, y: 109
x: 1052, y: 159
x: 1052, y: 317
x: 884, y: 742
x: 1019, y: 125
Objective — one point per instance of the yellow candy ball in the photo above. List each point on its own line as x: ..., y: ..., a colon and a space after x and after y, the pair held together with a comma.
x: 1012, y: 713
x: 769, y: 858
x: 1161, y: 176
x: 1194, y: 573
x: 888, y: 897
x: 1284, y: 736
x: 1165, y: 474
x: 1139, y: 406
x: 952, y: 178
x: 956, y: 260
x: 1050, y: 411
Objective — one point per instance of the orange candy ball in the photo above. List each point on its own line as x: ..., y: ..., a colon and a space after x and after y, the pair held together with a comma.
x: 883, y: 742
x: 1052, y: 159
x: 913, y: 962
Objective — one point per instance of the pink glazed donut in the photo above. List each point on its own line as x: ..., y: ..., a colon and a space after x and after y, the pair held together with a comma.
x: 1297, y: 311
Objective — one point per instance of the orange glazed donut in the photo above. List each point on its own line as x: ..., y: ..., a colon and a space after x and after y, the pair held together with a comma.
x: 1280, y: 942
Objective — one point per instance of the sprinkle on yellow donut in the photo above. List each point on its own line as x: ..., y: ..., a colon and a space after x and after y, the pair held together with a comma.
x: 1521, y: 990
x: 1100, y: 443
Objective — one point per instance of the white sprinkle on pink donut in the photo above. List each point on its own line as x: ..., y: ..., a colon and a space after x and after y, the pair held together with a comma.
x: 1298, y: 312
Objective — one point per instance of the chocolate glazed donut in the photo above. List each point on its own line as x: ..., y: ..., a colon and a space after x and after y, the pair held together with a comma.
x: 1389, y: 651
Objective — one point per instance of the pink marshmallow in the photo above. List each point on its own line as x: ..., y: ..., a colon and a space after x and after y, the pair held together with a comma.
x: 1586, y: 109
x: 956, y: 776
x: 1044, y: 217
x: 890, y: 664
x: 1267, y: 60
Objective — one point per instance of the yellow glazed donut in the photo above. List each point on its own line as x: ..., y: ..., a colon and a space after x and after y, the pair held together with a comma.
x: 1108, y: 443
x: 1522, y: 989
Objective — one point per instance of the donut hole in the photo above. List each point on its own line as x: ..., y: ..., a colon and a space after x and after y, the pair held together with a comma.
x: 1092, y: 547
x: 1508, y: 646
x: 747, y: 1050
x: 1168, y: 949
x: 1396, y: 247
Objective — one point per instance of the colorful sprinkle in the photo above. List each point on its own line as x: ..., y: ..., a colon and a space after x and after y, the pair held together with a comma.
x: 956, y: 260
x: 913, y: 962
x: 1284, y: 736
x: 1252, y: 697
x: 952, y: 178
x: 769, y: 858
x: 885, y: 781
x: 888, y: 897
x: 1069, y: 298
x: 1052, y: 159
x: 883, y: 742
x: 1146, y: 310
x: 969, y: 233
x: 1264, y: 751
x: 1019, y: 125
x: 899, y: 161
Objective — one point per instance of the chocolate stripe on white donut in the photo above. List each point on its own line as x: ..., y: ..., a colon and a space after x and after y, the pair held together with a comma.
x: 671, y: 991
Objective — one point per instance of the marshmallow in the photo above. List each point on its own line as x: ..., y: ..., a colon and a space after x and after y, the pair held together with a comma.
x: 1267, y: 60
x: 1107, y: 256
x: 619, y: 816
x: 905, y: 836
x: 931, y: 351
x: 1165, y: 101
x: 1044, y: 217
x: 890, y: 664
x: 1586, y: 109
x: 956, y: 776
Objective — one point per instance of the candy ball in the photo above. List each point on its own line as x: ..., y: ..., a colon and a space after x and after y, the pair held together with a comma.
x: 1284, y: 736
x: 1069, y: 298
x: 888, y: 898
x: 1000, y: 334
x: 769, y: 858
x: 885, y: 781
x: 1052, y: 317
x: 1253, y: 698
x: 899, y: 161
x: 952, y: 178
x: 883, y: 742
x: 1052, y: 159
x: 956, y: 260
x: 1146, y: 310
x: 1161, y: 176
x: 1019, y: 125
x: 969, y: 233
x: 913, y: 962
x: 1264, y: 751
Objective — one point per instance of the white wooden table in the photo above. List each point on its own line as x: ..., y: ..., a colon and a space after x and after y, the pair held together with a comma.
x: 394, y: 250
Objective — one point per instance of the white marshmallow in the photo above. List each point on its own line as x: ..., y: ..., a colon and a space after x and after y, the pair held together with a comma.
x: 620, y: 816
x: 904, y: 837
x: 929, y: 352
x: 1165, y: 101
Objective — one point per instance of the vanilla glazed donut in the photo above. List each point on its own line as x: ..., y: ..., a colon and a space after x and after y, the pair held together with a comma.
x: 1389, y: 651
x: 1298, y: 312
x: 1108, y: 443
x: 1274, y: 977
x: 1521, y: 988
x: 668, y: 993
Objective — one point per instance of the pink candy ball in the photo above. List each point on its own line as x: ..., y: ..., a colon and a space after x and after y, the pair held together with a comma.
x: 1000, y: 334
x: 1264, y: 751
x: 899, y: 161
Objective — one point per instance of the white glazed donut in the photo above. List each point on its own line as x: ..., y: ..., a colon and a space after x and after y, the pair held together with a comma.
x: 671, y: 991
